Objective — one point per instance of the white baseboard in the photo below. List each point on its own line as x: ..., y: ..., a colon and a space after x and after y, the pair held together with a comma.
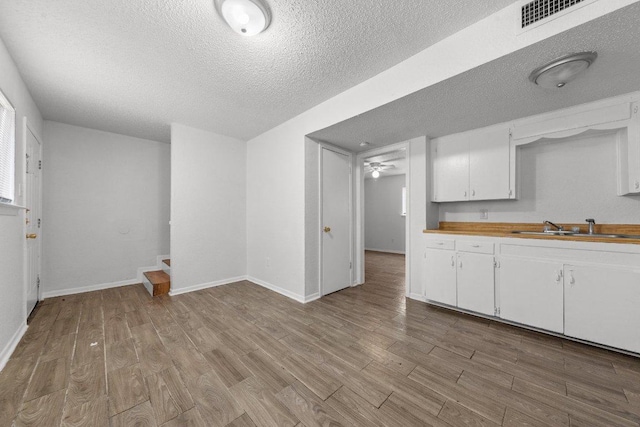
x: 385, y: 251
x: 98, y: 287
x: 312, y: 297
x: 174, y: 292
x: 8, y: 349
x: 281, y: 291
x: 418, y: 297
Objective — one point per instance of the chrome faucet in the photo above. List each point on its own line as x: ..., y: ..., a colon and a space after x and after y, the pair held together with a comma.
x: 591, y: 222
x: 558, y: 227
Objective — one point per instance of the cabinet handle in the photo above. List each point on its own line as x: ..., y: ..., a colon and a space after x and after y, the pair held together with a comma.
x: 572, y: 280
x: 473, y: 192
x: 465, y: 194
x: 637, y: 185
x: 453, y: 261
x: 559, y: 276
x: 475, y: 246
x: 439, y: 243
x: 460, y: 264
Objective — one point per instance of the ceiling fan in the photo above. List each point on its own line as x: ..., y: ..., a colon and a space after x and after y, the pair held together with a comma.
x: 376, y: 167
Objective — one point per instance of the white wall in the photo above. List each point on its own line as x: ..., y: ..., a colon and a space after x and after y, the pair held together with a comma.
x: 563, y: 181
x: 12, y: 290
x: 312, y: 216
x: 106, y: 207
x: 384, y: 226
x: 208, y: 209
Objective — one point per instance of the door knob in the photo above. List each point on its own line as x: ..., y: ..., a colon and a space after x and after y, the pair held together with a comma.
x: 32, y: 236
x: 327, y: 229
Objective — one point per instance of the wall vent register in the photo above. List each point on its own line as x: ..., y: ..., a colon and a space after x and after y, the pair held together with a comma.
x: 538, y: 10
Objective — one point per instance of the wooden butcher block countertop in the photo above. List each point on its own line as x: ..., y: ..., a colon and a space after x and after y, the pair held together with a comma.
x: 504, y: 229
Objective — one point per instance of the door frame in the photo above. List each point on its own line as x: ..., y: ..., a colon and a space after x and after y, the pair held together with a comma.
x: 26, y: 128
x: 326, y: 146
x: 359, y: 202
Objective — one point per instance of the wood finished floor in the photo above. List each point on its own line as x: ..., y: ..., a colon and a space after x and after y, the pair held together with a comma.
x: 240, y: 355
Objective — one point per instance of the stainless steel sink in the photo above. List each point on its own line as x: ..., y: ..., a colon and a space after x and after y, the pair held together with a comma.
x: 571, y: 233
x: 546, y: 233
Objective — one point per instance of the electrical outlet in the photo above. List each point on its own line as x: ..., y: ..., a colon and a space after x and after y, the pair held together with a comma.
x: 484, y: 213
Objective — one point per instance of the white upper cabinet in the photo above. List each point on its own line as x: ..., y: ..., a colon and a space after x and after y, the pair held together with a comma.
x: 474, y: 165
x: 489, y: 164
x: 451, y: 168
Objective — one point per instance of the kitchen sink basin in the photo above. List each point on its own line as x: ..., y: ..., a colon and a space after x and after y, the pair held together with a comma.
x: 571, y: 233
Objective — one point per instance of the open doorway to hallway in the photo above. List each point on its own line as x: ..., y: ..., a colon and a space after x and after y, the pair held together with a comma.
x: 385, y: 216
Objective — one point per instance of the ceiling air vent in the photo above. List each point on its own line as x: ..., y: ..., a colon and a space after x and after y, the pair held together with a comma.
x: 538, y: 10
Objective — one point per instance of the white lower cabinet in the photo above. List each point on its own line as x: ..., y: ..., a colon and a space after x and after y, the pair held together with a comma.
x: 476, y: 282
x: 440, y: 276
x: 531, y: 292
x: 602, y: 305
x: 585, y: 291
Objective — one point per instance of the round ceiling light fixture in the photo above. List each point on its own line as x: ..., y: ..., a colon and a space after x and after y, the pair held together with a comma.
x: 375, y: 174
x: 245, y: 17
x: 561, y: 71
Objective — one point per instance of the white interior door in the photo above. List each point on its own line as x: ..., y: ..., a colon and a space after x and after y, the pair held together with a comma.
x: 336, y: 226
x: 32, y: 218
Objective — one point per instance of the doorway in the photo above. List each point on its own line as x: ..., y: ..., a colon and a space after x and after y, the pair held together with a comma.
x: 396, y: 153
x: 385, y: 211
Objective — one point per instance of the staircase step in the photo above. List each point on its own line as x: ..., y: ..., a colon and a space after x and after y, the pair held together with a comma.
x: 167, y: 261
x: 160, y: 281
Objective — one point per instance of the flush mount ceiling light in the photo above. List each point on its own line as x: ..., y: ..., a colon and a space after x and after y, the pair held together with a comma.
x: 245, y: 17
x: 375, y: 174
x: 561, y: 71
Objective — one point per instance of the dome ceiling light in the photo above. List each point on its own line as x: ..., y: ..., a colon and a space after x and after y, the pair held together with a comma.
x: 561, y: 71
x: 245, y: 17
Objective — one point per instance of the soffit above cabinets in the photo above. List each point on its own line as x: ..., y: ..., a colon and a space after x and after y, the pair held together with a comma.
x: 500, y: 91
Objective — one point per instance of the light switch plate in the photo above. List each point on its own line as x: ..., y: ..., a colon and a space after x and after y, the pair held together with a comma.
x: 484, y: 213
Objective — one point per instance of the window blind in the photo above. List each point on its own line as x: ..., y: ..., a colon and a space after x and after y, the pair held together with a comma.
x: 7, y: 150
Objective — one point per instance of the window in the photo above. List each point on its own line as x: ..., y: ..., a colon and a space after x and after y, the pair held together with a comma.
x: 7, y: 150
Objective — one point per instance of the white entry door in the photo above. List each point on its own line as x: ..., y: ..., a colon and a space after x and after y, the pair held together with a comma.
x: 33, y: 215
x: 336, y: 221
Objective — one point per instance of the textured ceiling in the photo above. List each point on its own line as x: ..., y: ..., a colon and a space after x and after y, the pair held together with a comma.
x: 500, y: 90
x: 135, y: 66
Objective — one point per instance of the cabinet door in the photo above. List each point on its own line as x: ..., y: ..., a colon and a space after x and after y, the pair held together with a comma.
x: 531, y: 292
x: 440, y: 276
x: 601, y: 304
x: 489, y: 164
x: 476, y: 282
x: 451, y: 168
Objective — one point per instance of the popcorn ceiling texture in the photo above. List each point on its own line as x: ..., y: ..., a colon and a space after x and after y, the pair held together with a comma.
x: 134, y: 67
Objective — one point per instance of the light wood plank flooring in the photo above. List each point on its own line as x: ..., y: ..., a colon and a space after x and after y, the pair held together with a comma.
x: 241, y: 355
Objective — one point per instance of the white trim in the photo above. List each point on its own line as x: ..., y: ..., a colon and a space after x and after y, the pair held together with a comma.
x: 312, y: 297
x: 10, y: 209
x: 388, y: 251
x: 8, y: 349
x: 352, y: 280
x: 90, y: 288
x: 282, y: 291
x: 174, y: 292
x: 359, y: 264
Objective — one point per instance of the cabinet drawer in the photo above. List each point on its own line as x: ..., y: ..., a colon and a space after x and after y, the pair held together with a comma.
x: 441, y: 244
x: 477, y: 247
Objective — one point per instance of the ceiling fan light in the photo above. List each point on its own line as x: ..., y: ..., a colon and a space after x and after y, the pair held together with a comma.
x: 375, y: 174
x: 245, y: 17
